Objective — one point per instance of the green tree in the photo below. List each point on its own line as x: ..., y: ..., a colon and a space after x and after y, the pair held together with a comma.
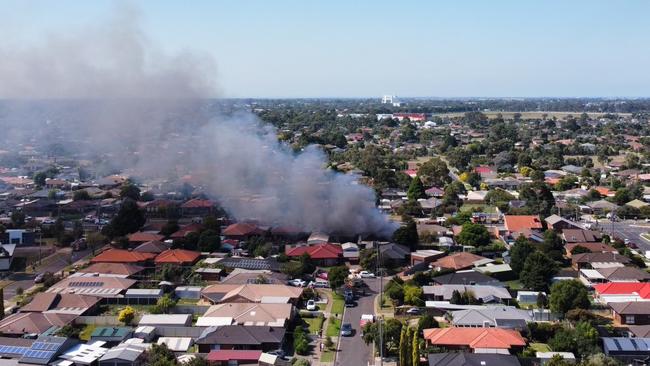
x: 18, y: 219
x: 538, y: 271
x: 81, y: 195
x: 129, y: 219
x: 95, y: 240
x: 416, y: 189
x: 521, y: 250
x: 415, y: 348
x: 164, y: 305
x: 169, y: 228
x: 126, y: 315
x: 130, y: 190
x: 553, y: 245
x: 209, y: 241
x: 434, y: 172
x: 474, y: 235
x: 159, y: 355
x: 407, y: 235
x: 413, y: 295
x: 404, y: 343
x: 426, y: 321
x: 337, y: 276
x: 622, y: 196
x: 39, y: 179
x: 567, y: 295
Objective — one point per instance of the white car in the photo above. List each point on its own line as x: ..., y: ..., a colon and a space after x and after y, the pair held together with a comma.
x: 441, y: 220
x: 366, y: 274
x: 297, y: 282
x: 311, y: 305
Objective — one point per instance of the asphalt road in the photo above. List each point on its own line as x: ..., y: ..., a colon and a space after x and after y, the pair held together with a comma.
x: 353, y: 350
x: 629, y: 229
x: 53, y: 263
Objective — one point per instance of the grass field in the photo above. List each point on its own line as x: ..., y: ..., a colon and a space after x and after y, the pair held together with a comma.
x: 333, y: 328
x: 472, y: 207
x: 327, y: 356
x: 514, y: 285
x: 338, y: 304
x: 540, y: 347
x: 315, y: 324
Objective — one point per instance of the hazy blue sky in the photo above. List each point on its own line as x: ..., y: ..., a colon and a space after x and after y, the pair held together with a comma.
x: 275, y: 48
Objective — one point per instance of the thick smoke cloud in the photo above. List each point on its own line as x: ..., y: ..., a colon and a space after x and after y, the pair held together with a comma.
x: 107, y: 90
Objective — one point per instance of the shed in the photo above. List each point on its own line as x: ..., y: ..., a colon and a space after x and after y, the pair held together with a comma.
x: 528, y: 297
x: 176, y: 344
x: 146, y: 333
x: 111, y: 335
x: 188, y: 292
x: 177, y: 320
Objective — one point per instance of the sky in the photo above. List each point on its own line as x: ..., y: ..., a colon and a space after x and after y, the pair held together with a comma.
x: 367, y: 48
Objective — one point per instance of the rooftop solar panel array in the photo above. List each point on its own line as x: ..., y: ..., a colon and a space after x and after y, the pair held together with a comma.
x: 14, y: 350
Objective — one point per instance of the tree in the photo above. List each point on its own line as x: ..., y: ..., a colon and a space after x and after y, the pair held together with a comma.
x: 209, y: 241
x: 567, y: 295
x: 164, y: 305
x: 131, y: 191
x: 18, y: 219
x: 415, y: 348
x: 413, y: 295
x: 416, y: 189
x: 599, y: 359
x: 126, y: 315
x: 129, y: 219
x: 94, y: 240
x: 426, y: 322
x: 169, y: 228
x: 474, y: 235
x: 579, y: 249
x: 39, y: 179
x: 392, y: 330
x: 159, y: 355
x: 553, y: 245
x: 81, y: 195
x: 521, y: 250
x: 538, y: 271
x: 300, y: 341
x: 301, y: 362
x: 622, y: 196
x: 337, y: 275
x: 404, y: 345
x: 407, y: 235
x: 434, y: 172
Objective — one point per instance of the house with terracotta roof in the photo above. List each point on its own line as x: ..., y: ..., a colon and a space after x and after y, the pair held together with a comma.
x: 153, y: 246
x: 105, y: 269
x: 179, y: 257
x: 258, y: 293
x: 33, y: 322
x: 197, y: 207
x: 459, y: 261
x: 242, y: 231
x: 143, y: 237
x: 273, y: 315
x: 325, y: 254
x: 53, y: 303
x: 186, y: 229
x: 123, y: 256
x: 622, y: 292
x: 477, y: 340
x: 519, y: 223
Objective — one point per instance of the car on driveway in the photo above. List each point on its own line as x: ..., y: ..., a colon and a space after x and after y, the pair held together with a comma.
x: 366, y: 274
x: 346, y: 330
x: 297, y: 282
x: 311, y: 305
x: 413, y: 311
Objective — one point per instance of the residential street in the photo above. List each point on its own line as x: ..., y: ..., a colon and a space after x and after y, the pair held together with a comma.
x: 353, y: 350
x: 629, y: 229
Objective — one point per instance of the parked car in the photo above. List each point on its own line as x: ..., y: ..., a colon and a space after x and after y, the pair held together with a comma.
x: 346, y: 330
x: 366, y: 274
x: 311, y: 305
x: 413, y: 311
x: 39, y: 278
x: 365, y: 319
x: 349, y: 301
x: 319, y: 284
x: 297, y: 282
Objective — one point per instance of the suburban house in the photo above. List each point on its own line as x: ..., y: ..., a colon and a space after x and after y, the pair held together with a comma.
x: 143, y: 237
x: 153, y: 246
x: 242, y: 231
x: 177, y: 257
x: 52, y: 303
x: 272, y: 315
x: 425, y: 256
x: 350, y: 252
x: 630, y: 347
x: 592, y: 277
x: 393, y: 254
x: 472, y: 359
x: 325, y: 254
x: 558, y: 223
x: 459, y: 261
x: 129, y: 353
x: 593, y: 247
x: 634, y: 312
x: 223, y: 293
x: 477, y: 340
x: 581, y: 236
x: 486, y: 294
x: 111, y: 335
x: 103, y: 287
x: 240, y: 276
x: 228, y: 357
x: 467, y: 277
x: 197, y: 207
x: 622, y: 292
x: 186, y: 229
x: 20, y: 324
x: 239, y: 337
x: 598, y: 260
x: 123, y: 256
x: 507, y: 317
x: 526, y: 225
x: 122, y: 270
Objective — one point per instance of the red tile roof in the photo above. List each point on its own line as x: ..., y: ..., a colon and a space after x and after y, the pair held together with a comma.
x: 475, y: 337
x: 318, y: 251
x: 119, y: 269
x: 183, y: 231
x: 234, y: 355
x: 624, y: 288
x: 141, y: 237
x: 197, y: 203
x: 242, y: 229
x: 515, y: 223
x: 483, y: 169
x: 179, y: 256
x: 122, y: 256
x: 458, y: 261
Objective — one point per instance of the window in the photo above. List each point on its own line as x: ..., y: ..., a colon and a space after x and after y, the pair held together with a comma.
x: 629, y: 319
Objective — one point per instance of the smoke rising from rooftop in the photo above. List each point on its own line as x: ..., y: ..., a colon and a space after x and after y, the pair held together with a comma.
x: 108, y: 90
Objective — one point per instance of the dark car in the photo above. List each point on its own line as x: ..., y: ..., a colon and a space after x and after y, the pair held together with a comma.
x: 346, y: 330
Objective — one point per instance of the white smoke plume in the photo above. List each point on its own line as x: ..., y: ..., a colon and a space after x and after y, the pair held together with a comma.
x: 107, y: 89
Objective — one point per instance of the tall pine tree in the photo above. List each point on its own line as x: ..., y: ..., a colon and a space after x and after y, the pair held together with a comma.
x: 416, y: 189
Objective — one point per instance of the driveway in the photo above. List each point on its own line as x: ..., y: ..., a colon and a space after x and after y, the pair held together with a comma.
x: 353, y: 350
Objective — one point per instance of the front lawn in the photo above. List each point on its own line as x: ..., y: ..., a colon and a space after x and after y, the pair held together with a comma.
x: 338, y: 304
x: 333, y: 327
x: 327, y: 356
x: 314, y: 324
x: 540, y: 347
